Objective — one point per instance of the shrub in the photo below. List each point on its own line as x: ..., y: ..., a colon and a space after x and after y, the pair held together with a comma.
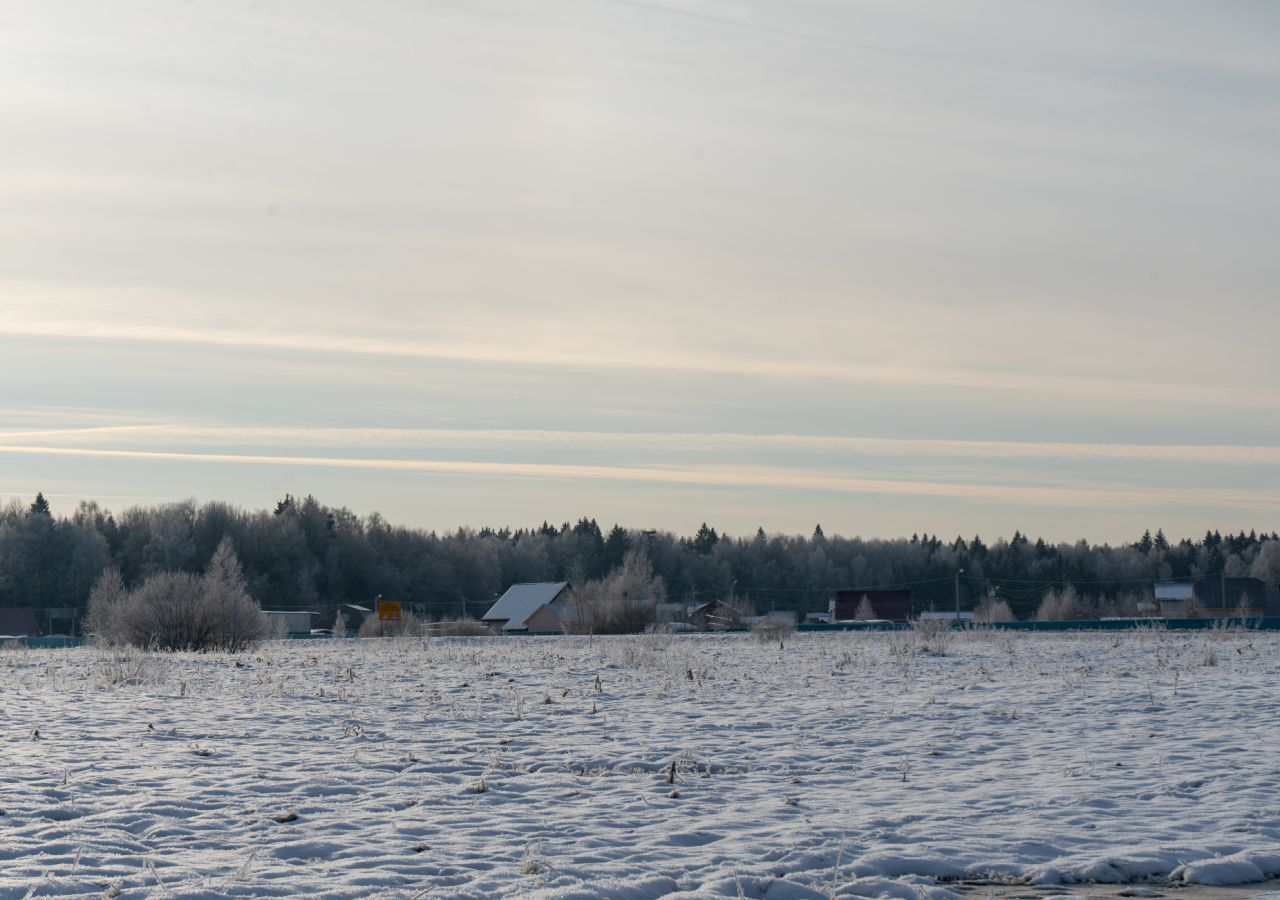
x: 408, y: 625
x: 611, y: 615
x: 177, y: 610
x: 992, y: 611
x: 934, y: 635
x: 768, y: 630
x: 626, y: 602
x: 105, y: 620
x: 1061, y: 606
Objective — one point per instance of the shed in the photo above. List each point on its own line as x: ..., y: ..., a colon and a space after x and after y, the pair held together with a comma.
x: 512, y: 610
x: 891, y: 604
x: 18, y: 621
x: 1173, y: 598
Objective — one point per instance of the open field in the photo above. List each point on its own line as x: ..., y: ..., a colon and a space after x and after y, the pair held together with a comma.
x: 854, y: 764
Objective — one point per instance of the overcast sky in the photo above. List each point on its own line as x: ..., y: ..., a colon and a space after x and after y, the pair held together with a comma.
x: 888, y: 266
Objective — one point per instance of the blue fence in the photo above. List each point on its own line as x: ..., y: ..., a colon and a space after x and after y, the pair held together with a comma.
x: 47, y: 642
x: 1268, y: 623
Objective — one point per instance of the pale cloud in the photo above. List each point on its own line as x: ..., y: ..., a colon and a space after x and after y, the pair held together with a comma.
x: 1078, y: 496
x: 266, y: 436
x: 569, y: 355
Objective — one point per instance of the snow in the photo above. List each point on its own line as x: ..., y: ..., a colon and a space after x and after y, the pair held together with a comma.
x: 845, y: 764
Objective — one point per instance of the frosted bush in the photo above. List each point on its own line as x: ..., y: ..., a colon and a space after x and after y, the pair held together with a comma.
x: 178, y: 610
x: 768, y: 630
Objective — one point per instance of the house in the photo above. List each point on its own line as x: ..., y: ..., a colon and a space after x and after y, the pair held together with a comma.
x: 1174, y: 598
x: 18, y: 621
x: 553, y: 618
x: 893, y: 605
x: 714, y: 614
x: 353, y: 617
x: 512, y: 610
x: 285, y: 622
x: 1244, y: 596
x: 817, y: 618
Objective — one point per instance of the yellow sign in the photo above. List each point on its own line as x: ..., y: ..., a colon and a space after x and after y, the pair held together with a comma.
x: 388, y: 612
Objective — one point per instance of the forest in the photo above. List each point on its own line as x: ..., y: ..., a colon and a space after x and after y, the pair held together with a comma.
x: 302, y: 554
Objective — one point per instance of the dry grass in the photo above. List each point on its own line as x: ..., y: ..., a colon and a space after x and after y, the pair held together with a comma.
x: 408, y: 625
x: 934, y: 635
x: 766, y: 631
x: 460, y: 628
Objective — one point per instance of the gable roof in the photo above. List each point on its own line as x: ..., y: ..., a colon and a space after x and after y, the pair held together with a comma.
x: 1173, y: 590
x: 521, y: 600
x: 19, y: 621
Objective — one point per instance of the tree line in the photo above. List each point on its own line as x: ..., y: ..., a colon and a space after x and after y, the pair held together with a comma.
x: 302, y: 554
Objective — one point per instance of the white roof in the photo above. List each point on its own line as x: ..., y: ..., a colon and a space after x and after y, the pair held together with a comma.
x: 521, y: 601
x: 1173, y: 590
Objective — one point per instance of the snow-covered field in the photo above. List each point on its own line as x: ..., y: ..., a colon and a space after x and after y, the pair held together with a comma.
x: 835, y: 765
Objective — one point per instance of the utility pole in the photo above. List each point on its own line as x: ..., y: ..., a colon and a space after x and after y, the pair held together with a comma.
x: 959, y: 572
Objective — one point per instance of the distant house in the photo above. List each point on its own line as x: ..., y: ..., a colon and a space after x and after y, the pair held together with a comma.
x: 891, y: 604
x: 284, y: 622
x: 1247, y: 596
x: 1174, y: 598
x: 511, y: 611
x: 714, y: 614
x: 18, y: 621
x: 817, y: 618
x: 353, y: 617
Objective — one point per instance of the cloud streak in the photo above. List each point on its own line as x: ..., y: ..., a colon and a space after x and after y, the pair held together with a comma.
x: 926, y: 448
x: 706, y: 477
x: 575, y: 358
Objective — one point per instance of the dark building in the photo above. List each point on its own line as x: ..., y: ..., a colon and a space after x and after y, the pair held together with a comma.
x: 894, y: 605
x: 18, y: 621
x: 714, y: 614
x: 1250, y: 593
x: 353, y: 617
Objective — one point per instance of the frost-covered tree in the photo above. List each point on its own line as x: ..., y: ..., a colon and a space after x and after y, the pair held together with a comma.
x: 865, y: 610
